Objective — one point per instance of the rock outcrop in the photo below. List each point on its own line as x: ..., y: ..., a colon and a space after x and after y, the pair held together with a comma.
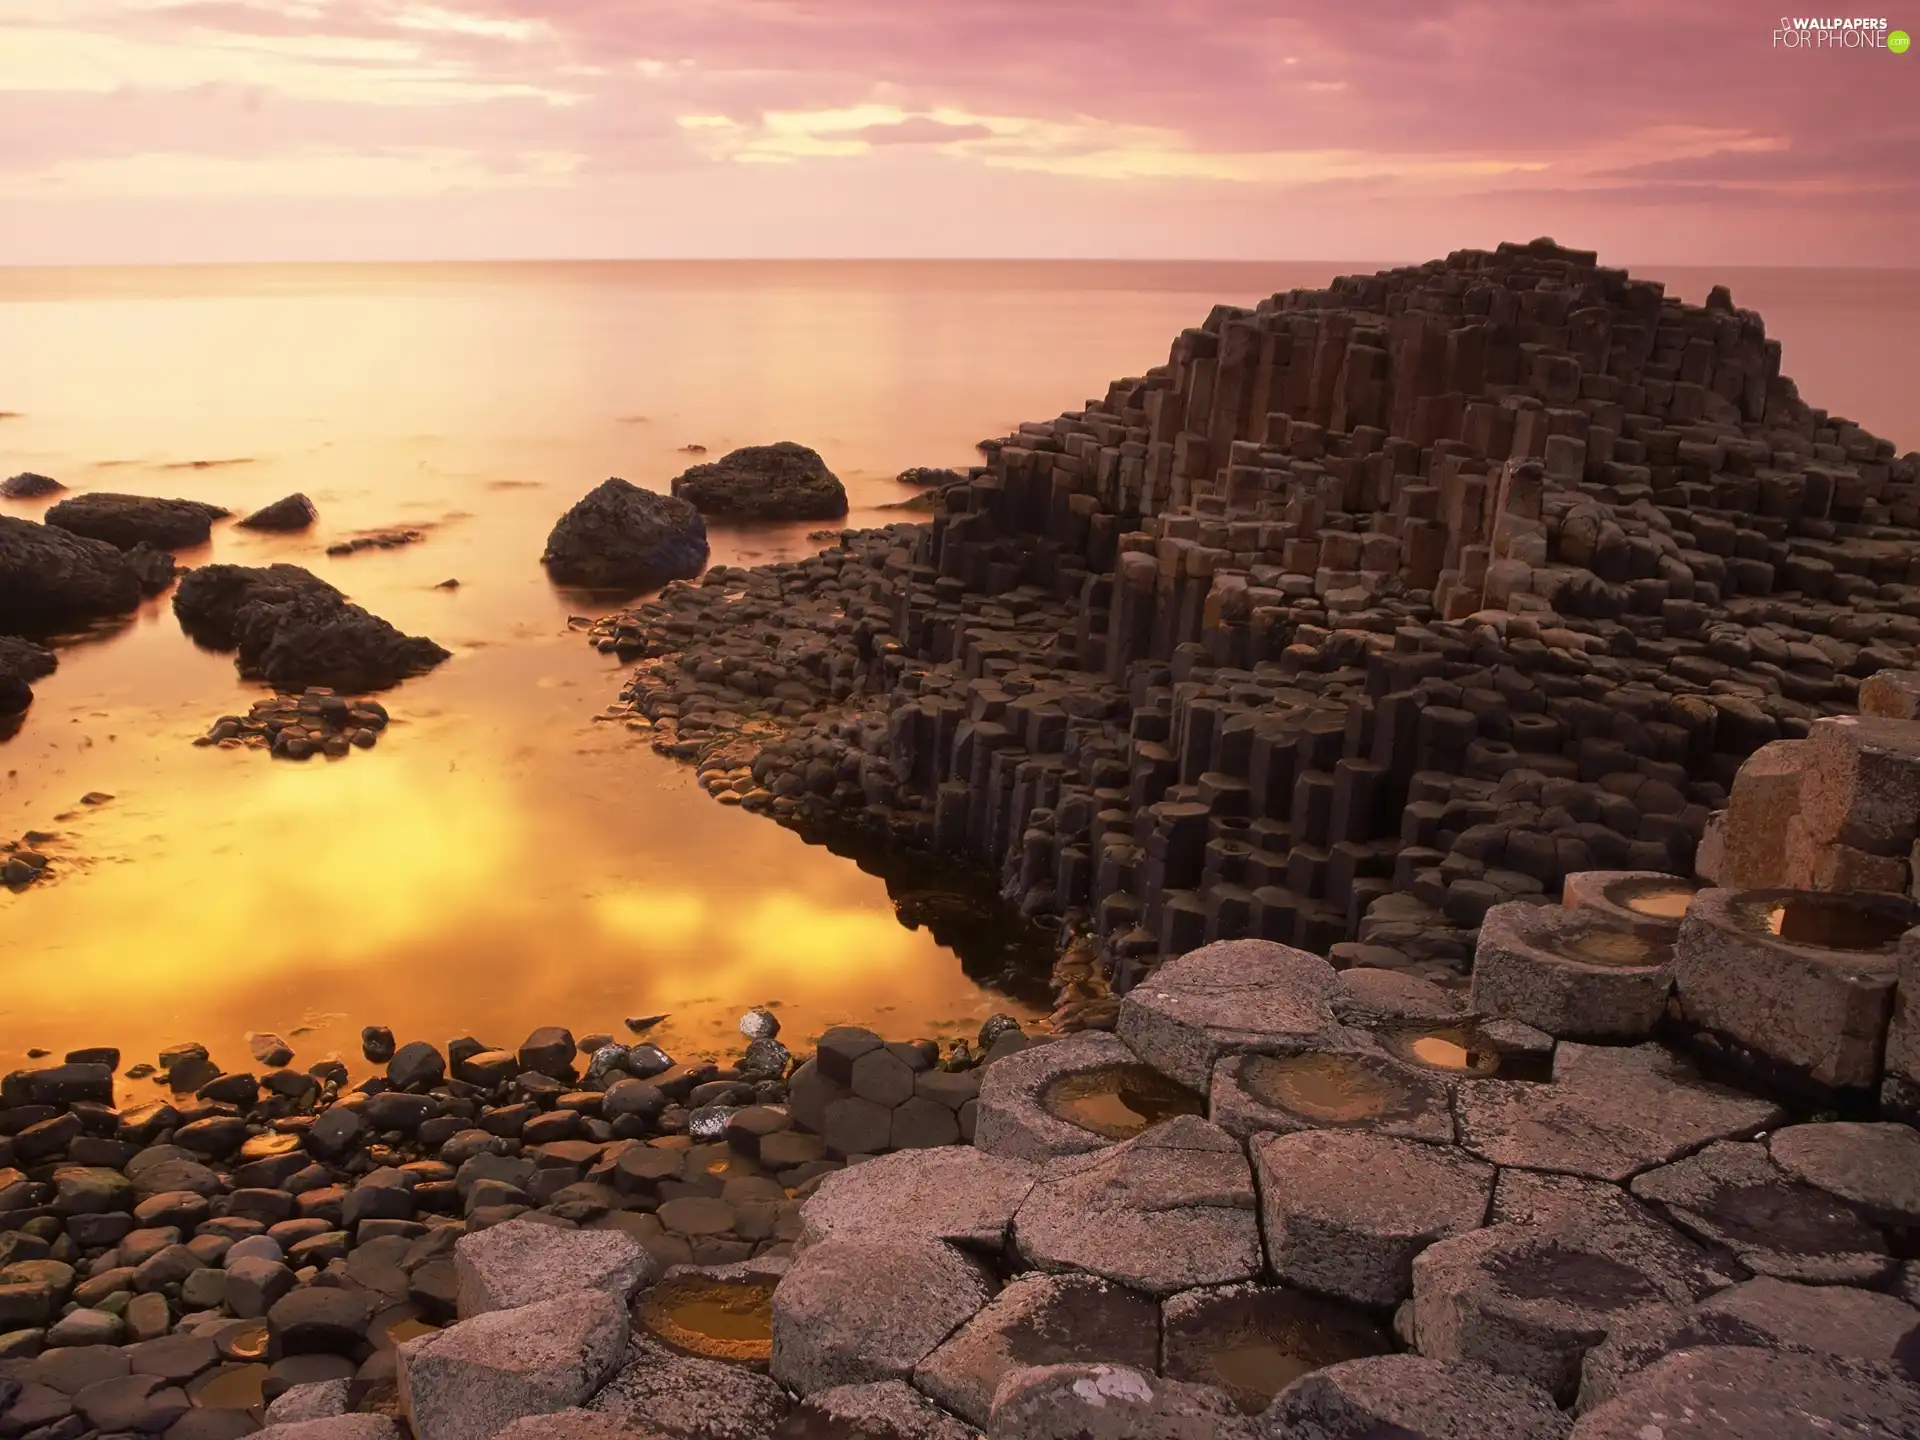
x: 621, y: 537
x: 51, y: 579
x: 29, y: 486
x: 130, y: 520
x: 293, y: 512
x: 783, y: 481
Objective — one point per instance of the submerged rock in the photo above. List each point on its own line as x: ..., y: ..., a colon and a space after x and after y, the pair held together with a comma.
x: 50, y: 578
x: 29, y: 486
x: 295, y: 512
x: 784, y: 481
x: 291, y: 628
x: 23, y: 660
x: 623, y: 537
x: 127, y: 520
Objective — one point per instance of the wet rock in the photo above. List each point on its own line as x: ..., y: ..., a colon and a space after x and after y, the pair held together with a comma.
x: 317, y: 1401
x: 24, y: 661
x: 128, y: 520
x: 1014, y: 1116
x: 29, y: 486
x: 1717, y: 1391
x: 1223, y: 998
x: 955, y: 1194
x: 1346, y: 1212
x: 886, y: 1410
x: 783, y: 481
x: 50, y: 579
x: 1873, y: 1166
x: 1167, y: 1211
x: 416, y: 1064
x: 1570, y: 972
x: 1609, y: 1113
x: 684, y: 1395
x: 622, y: 537
x: 269, y: 1049
x: 376, y: 1044
x: 1409, y: 1397
x: 854, y: 1311
x: 320, y: 1319
x: 143, y: 1403
x: 293, y: 512
x: 1732, y: 1194
x: 1253, y: 1341
x: 292, y: 629
x: 1325, y: 1087
x: 1039, y: 1320
x: 522, y: 1261
x: 477, y: 1377
x: 1112, y: 1402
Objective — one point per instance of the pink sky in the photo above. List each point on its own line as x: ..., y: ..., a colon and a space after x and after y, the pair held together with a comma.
x: 212, y: 130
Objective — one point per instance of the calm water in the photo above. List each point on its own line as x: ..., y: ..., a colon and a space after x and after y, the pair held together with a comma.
x: 503, y: 860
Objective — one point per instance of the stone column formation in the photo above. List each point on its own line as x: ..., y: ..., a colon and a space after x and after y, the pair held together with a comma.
x: 1374, y: 607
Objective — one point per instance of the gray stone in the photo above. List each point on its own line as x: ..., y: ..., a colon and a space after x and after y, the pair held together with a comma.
x: 1012, y: 1120
x: 1718, y: 1392
x: 856, y: 1310
x: 86, y: 1327
x: 1610, y: 1113
x: 1346, y: 1212
x: 956, y: 1193
x: 1569, y: 972
x: 1112, y: 1402
x: 1732, y: 1194
x: 1167, y: 1211
x: 315, y: 1401
x: 1409, y: 1397
x: 886, y: 1410
x: 1330, y: 1087
x: 1874, y: 1166
x: 684, y: 1395
x: 478, y: 1376
x: 1222, y: 998
x: 523, y: 1260
x: 1040, y: 1320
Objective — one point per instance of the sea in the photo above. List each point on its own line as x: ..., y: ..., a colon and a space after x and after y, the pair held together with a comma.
x: 508, y: 856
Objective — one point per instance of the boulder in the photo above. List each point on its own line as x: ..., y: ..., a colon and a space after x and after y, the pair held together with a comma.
x: 1167, y: 1211
x: 29, y: 486
x: 1410, y: 1397
x: 295, y: 512
x: 523, y: 1261
x: 480, y: 1375
x: 24, y: 661
x: 854, y: 1311
x: 125, y: 521
x: 1112, y: 1402
x: 783, y: 481
x: 51, y: 579
x: 294, y: 630
x: 621, y: 537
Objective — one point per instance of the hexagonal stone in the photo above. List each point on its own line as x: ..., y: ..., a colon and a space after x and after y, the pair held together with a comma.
x: 1409, y: 1397
x: 523, y: 1261
x: 854, y: 1311
x: 1874, y: 1166
x: 1253, y: 1341
x: 1732, y: 1194
x: 1610, y: 1113
x: 1329, y: 1088
x: 477, y: 1377
x: 1367, y: 996
x: 659, y: 1390
x: 887, y: 1410
x: 1066, y: 1098
x: 1531, y: 1300
x: 1230, y: 996
x: 922, y: 1124
x: 854, y: 1126
x: 882, y: 1077
x: 1039, y: 1320
x: 956, y: 1194
x: 840, y: 1047
x: 1346, y: 1212
x: 1570, y: 972
x: 1112, y: 1402
x: 1645, y: 901
x: 1717, y: 1392
x: 1167, y: 1211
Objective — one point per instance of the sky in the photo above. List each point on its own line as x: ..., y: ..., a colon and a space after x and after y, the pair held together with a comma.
x: 148, y: 131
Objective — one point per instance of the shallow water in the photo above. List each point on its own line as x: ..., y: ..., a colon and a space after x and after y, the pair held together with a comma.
x: 502, y: 860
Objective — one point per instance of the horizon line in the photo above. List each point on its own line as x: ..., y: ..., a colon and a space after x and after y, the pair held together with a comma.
x: 871, y: 260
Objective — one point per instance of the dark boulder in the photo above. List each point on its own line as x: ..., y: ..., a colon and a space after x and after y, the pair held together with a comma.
x: 126, y: 520
x: 924, y: 475
x: 293, y: 630
x: 620, y: 537
x: 29, y: 486
x: 51, y: 578
x: 15, y: 696
x: 154, y: 566
x: 296, y: 512
x: 765, y: 482
x: 23, y: 660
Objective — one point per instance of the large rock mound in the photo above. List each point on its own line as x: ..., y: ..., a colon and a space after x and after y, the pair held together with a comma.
x: 126, y: 520
x: 293, y: 630
x: 784, y: 481
x: 50, y: 578
x: 620, y: 537
x: 294, y: 512
x: 29, y: 486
